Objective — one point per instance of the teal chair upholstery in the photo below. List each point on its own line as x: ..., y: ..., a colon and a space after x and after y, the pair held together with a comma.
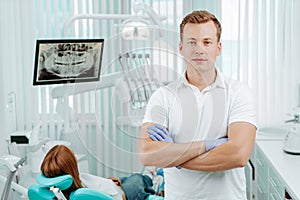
x: 89, y: 194
x: 41, y: 190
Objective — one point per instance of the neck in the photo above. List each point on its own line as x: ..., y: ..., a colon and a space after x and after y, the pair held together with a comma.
x: 201, y: 79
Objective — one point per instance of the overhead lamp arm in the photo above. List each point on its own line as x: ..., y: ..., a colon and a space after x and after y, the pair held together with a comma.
x: 105, y: 82
x: 149, y: 10
x: 92, y: 16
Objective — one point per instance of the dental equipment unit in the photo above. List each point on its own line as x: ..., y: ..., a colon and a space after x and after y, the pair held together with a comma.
x: 13, y: 163
x: 140, y: 82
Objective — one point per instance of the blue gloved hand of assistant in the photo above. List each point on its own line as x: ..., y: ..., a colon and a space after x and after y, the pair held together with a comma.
x: 211, y: 144
x: 159, y: 133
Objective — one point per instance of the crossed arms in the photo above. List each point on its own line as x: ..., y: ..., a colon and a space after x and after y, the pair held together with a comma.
x: 192, y: 155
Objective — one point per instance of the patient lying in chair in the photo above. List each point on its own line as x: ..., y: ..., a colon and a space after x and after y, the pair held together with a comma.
x: 60, y: 160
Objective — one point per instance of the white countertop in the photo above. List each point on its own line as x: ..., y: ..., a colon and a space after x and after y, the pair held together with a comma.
x: 286, y: 165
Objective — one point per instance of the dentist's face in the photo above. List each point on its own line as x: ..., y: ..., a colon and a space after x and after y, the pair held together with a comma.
x: 200, y: 46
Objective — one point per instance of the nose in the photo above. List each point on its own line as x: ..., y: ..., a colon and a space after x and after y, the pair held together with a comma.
x: 199, y: 49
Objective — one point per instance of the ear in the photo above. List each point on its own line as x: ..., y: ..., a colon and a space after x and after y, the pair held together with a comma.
x: 219, y: 48
x: 180, y: 48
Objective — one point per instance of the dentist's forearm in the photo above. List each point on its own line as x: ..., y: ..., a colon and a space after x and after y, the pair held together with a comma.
x: 231, y: 154
x: 225, y: 157
x: 164, y: 154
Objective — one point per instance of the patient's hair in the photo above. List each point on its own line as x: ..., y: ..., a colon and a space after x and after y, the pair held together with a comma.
x: 200, y: 17
x: 60, y: 160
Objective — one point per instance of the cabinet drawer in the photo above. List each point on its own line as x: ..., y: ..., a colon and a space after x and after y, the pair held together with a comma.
x: 261, y: 166
x: 275, y: 196
x: 263, y: 185
x: 261, y: 192
x: 276, y: 187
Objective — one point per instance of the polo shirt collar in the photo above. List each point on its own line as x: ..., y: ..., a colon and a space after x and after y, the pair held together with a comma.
x: 219, y: 82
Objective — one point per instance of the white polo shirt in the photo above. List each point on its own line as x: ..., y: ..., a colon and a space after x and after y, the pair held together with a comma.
x: 193, y: 115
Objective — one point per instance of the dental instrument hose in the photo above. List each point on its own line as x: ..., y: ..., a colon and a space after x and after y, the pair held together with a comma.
x: 9, y: 179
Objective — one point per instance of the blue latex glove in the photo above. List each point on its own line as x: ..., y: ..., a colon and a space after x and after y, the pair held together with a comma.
x: 211, y: 144
x: 159, y: 133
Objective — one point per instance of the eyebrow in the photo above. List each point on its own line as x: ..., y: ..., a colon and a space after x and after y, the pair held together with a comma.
x: 192, y: 38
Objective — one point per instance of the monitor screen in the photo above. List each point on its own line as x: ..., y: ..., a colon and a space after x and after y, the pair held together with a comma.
x: 67, y: 61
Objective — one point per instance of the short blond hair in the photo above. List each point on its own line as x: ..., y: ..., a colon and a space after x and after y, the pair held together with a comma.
x: 200, y: 17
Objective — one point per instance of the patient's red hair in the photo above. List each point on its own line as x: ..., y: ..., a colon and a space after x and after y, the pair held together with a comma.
x: 60, y: 160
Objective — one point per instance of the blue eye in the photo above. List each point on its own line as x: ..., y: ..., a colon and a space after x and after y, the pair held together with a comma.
x: 191, y: 43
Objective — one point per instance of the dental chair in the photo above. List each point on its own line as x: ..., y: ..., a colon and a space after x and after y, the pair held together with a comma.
x: 51, y: 188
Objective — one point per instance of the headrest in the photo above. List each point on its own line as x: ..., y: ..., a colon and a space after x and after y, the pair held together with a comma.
x: 36, y: 192
x: 62, y: 182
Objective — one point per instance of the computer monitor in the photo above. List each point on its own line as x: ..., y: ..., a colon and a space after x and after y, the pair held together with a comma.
x: 67, y: 61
